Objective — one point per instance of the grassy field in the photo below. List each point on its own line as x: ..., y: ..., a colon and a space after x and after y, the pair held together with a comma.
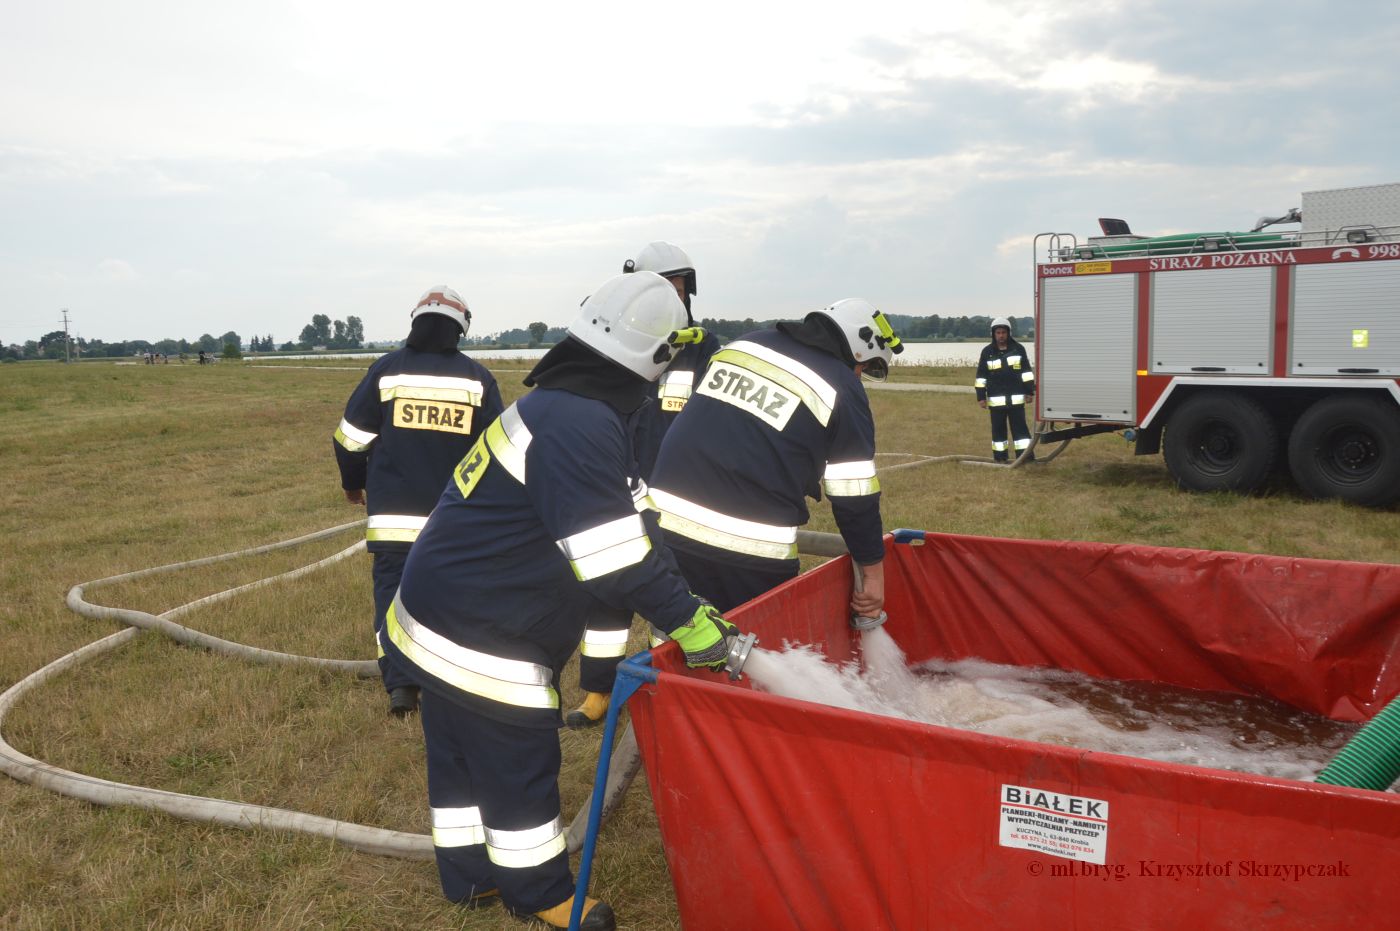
x: 112, y: 468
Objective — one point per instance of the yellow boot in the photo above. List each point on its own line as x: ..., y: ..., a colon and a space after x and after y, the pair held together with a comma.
x: 597, y: 916
x: 591, y: 712
x: 482, y: 899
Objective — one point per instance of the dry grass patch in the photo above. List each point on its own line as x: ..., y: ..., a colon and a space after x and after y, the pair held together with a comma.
x: 116, y: 468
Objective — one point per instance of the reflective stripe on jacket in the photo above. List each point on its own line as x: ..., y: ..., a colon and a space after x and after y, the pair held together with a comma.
x: 1004, y: 376
x: 406, y: 426
x: 673, y: 392
x: 771, y: 423
x: 536, y: 526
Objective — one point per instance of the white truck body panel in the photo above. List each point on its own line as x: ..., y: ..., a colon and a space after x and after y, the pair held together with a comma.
x: 1345, y: 319
x: 1375, y: 205
x: 1212, y: 321
x: 1089, y: 328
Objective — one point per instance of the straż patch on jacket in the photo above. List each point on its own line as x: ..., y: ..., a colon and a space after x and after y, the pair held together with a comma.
x: 444, y: 416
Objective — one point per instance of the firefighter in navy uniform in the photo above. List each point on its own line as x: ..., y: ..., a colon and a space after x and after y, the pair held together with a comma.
x: 536, y: 527
x: 674, y: 387
x: 406, y: 426
x: 779, y: 416
x: 1005, y: 385
x: 605, y: 638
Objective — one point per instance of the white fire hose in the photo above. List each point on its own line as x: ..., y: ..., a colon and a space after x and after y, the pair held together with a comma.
x: 626, y: 758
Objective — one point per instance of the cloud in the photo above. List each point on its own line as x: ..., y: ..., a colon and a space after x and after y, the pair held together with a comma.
x: 115, y: 270
x: 299, y: 160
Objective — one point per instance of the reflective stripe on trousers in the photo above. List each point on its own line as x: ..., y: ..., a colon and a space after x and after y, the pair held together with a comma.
x: 530, y: 847
x: 604, y: 644
x: 458, y: 827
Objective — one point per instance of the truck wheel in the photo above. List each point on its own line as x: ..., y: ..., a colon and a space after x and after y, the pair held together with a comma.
x: 1220, y: 441
x: 1348, y: 447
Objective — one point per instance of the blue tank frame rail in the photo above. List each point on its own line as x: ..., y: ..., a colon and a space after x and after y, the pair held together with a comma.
x: 631, y: 673
x: 913, y: 537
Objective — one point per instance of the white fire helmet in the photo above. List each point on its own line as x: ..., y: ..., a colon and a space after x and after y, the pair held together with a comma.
x: 635, y: 320
x: 666, y: 259
x: 1001, y: 321
x: 443, y: 300
x: 869, y: 335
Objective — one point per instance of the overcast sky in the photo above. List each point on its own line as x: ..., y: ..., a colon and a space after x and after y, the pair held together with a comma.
x: 169, y: 169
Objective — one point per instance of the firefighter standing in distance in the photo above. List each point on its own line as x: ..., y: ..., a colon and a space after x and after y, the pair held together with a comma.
x: 1005, y: 384
x: 779, y: 416
x: 407, y: 424
x: 537, y: 526
x: 605, y: 637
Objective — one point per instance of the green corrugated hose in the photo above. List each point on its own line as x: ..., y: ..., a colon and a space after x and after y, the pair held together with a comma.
x: 1371, y: 759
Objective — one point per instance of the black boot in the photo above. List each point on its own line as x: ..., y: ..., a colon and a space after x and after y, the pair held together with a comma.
x: 403, y: 701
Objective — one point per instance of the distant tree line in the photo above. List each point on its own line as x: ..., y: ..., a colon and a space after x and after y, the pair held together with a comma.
x: 536, y: 334
x: 962, y: 327
x: 51, y: 346
x: 332, y: 334
x: 908, y: 327
x: 349, y: 333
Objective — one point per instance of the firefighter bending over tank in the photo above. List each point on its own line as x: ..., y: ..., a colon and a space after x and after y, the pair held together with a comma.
x: 605, y: 638
x: 779, y: 416
x: 1005, y: 385
x: 407, y: 424
x: 537, y: 527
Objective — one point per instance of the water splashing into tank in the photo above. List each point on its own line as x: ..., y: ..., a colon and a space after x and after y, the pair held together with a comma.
x: 1055, y: 706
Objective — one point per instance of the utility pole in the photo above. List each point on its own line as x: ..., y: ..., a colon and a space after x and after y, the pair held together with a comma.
x: 67, y: 343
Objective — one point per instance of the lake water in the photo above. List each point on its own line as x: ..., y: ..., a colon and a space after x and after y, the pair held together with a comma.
x: 949, y: 354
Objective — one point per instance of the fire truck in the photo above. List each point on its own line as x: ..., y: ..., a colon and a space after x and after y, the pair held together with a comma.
x: 1234, y: 355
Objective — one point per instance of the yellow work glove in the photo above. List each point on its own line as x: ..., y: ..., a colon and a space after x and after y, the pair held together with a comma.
x: 705, y: 638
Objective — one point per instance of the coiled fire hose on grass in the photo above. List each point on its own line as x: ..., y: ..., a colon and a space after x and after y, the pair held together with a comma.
x: 194, y: 807
x: 626, y: 759
x: 20, y: 766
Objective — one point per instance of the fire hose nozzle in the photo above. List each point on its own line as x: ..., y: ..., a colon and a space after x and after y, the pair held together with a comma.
x: 739, y: 649
x: 861, y: 622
